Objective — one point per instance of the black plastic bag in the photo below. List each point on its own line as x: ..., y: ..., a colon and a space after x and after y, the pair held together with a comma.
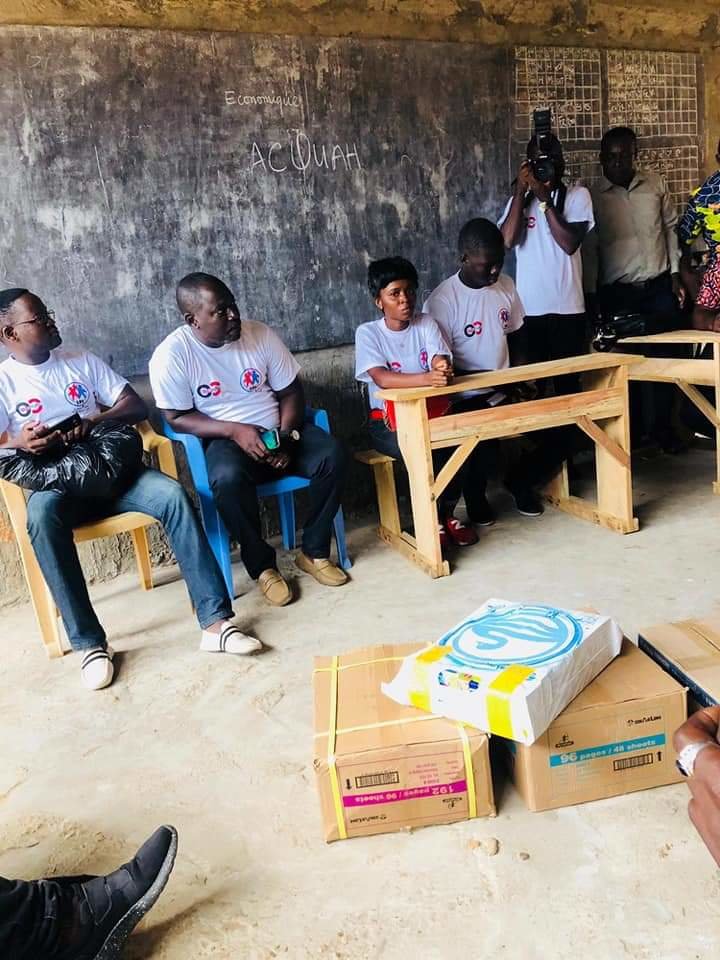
x: 103, y: 465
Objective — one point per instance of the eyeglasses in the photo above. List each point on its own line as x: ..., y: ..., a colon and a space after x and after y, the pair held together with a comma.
x: 46, y: 320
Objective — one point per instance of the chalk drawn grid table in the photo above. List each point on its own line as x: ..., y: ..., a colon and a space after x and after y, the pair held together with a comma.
x: 657, y: 93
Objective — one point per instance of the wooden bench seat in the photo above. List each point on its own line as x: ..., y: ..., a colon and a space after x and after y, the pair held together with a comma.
x: 371, y: 457
x: 384, y: 476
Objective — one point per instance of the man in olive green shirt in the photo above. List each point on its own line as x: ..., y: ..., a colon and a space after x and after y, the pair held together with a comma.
x: 638, y: 255
x: 633, y: 258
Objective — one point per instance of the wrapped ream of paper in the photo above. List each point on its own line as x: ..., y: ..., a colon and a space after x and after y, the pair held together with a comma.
x: 508, y: 668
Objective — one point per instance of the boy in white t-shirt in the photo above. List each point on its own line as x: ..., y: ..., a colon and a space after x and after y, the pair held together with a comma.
x: 229, y: 382
x: 546, y: 222
x: 41, y: 385
x: 481, y: 316
x: 405, y: 349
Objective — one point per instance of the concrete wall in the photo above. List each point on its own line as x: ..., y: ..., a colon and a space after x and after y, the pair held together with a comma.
x: 655, y: 24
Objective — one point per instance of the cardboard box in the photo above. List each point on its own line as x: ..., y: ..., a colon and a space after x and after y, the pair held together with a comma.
x: 689, y: 651
x: 508, y: 668
x: 382, y: 767
x: 614, y: 738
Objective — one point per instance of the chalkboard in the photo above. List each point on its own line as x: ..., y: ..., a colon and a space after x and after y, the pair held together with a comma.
x: 281, y: 164
x: 284, y: 165
x: 657, y: 93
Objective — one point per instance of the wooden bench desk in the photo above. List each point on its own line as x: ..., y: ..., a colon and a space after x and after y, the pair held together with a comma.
x: 686, y: 374
x: 600, y: 410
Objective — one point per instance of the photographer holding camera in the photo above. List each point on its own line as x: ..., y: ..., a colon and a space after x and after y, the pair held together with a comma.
x: 546, y: 221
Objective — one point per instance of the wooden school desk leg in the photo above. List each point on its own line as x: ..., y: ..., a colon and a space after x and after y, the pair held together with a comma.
x: 558, y: 489
x: 414, y: 439
x: 387, y: 497
x: 142, y: 556
x: 614, y: 479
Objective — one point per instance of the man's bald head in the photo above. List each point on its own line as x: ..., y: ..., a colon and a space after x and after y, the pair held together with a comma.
x: 190, y: 289
x: 209, y: 308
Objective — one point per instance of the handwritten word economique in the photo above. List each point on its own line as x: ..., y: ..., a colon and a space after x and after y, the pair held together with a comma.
x: 302, y: 153
x: 234, y: 99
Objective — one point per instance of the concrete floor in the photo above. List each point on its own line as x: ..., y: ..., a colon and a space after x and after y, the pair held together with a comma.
x: 221, y: 747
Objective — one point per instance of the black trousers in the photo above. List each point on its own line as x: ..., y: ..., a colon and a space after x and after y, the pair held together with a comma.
x: 651, y: 404
x: 234, y: 477
x: 30, y: 920
x: 551, y: 336
x: 470, y: 480
x: 555, y: 336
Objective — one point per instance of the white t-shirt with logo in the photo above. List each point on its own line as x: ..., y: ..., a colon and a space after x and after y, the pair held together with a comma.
x: 476, y: 322
x: 235, y: 382
x: 548, y: 279
x: 68, y: 382
x: 402, y: 351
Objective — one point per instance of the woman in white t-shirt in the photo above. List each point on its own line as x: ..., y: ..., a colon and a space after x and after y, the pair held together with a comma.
x: 405, y: 349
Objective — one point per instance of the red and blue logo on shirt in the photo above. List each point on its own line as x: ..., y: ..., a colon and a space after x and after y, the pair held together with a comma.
x: 474, y: 329
x: 77, y: 394
x: 251, y: 379
x: 424, y: 359
x: 395, y: 366
x: 33, y: 406
x: 211, y: 389
x: 504, y: 317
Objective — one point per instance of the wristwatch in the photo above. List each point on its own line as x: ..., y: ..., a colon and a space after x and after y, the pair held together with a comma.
x: 688, y: 755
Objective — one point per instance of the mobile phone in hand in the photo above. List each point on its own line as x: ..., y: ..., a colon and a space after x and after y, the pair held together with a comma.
x: 66, y: 425
x: 271, y: 439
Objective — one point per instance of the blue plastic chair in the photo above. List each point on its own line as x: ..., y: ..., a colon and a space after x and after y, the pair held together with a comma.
x: 284, y: 489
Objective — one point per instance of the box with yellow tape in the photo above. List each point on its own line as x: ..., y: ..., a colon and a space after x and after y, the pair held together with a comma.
x: 508, y: 668
x: 382, y: 767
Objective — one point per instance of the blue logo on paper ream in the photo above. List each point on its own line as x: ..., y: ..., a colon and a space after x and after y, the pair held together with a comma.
x: 533, y: 635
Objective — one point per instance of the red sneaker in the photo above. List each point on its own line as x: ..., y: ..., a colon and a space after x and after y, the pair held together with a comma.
x: 460, y: 533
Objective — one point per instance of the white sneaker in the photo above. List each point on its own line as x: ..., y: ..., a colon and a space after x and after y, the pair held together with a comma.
x: 231, y: 639
x: 96, y: 669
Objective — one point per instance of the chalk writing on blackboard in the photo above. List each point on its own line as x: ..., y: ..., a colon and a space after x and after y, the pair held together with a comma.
x: 680, y: 166
x: 654, y: 93
x: 301, y: 153
x: 582, y: 165
x: 234, y: 98
x: 567, y: 80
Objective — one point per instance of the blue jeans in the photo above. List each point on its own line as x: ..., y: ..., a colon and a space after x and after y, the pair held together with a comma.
x: 52, y: 517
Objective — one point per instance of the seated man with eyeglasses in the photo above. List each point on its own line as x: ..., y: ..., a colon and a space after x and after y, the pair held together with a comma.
x: 236, y: 385
x: 41, y: 385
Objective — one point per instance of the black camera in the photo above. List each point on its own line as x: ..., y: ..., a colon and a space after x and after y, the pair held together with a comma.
x: 616, y: 326
x: 543, y: 166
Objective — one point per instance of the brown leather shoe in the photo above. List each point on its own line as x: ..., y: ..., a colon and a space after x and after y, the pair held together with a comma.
x: 324, y: 570
x: 275, y: 588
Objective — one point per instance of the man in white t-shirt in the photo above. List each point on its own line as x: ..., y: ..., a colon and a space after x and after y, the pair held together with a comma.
x: 229, y: 383
x: 40, y: 386
x: 546, y: 222
x: 481, y: 317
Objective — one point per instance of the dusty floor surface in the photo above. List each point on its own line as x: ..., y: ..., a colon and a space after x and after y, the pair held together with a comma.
x: 221, y: 747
